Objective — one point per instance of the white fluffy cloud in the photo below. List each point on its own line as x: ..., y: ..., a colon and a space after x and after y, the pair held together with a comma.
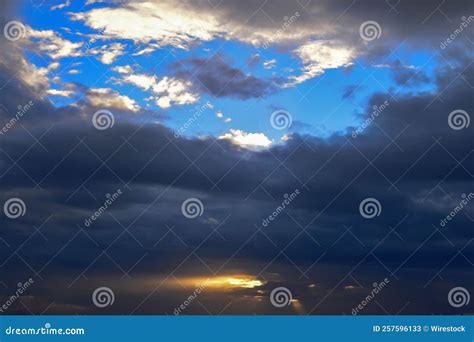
x: 108, y: 98
x: 167, y: 92
x: 247, y: 140
x: 319, y: 56
x: 56, y: 47
x: 165, y: 23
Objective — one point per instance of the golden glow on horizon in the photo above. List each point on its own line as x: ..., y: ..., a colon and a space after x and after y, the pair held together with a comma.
x: 234, y: 281
x: 225, y: 282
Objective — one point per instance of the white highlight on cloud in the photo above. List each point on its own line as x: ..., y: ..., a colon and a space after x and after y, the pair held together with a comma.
x: 247, y: 140
x: 165, y: 23
x: 270, y: 63
x: 61, y: 6
x: 61, y: 93
x: 108, y: 53
x: 108, y: 98
x: 56, y: 47
x: 319, y: 56
x: 168, y: 91
x: 123, y: 69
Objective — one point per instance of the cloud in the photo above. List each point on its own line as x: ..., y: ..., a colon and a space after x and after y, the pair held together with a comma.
x: 216, y: 77
x: 50, y: 42
x: 108, y: 98
x: 319, y: 56
x: 164, y: 23
x: 125, y: 69
x: 61, y: 6
x: 247, y: 140
x: 108, y: 53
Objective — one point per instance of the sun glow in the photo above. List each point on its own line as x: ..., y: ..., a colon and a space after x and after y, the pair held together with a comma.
x: 226, y: 282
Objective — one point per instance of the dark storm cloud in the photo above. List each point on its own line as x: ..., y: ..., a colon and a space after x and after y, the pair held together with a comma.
x: 216, y: 77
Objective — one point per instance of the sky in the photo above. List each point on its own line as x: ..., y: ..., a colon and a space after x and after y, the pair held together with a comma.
x: 236, y: 157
